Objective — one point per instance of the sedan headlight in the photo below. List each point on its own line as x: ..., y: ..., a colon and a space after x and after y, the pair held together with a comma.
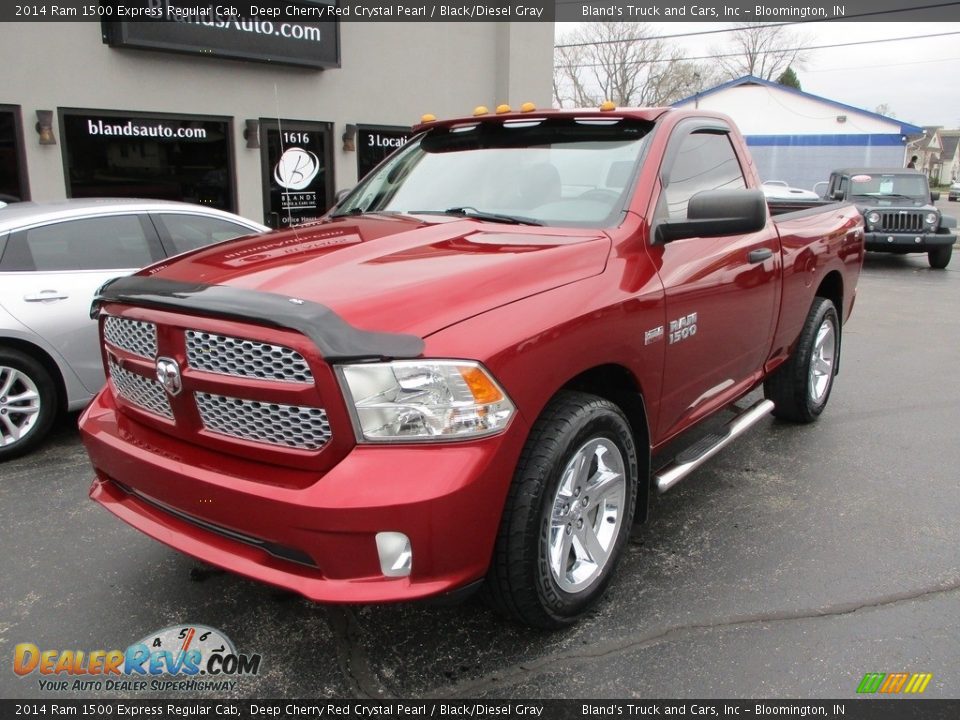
x: 873, y: 217
x: 411, y: 400
x: 931, y: 218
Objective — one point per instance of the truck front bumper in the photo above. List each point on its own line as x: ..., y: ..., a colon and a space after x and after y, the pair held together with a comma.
x: 315, y: 538
x: 877, y: 241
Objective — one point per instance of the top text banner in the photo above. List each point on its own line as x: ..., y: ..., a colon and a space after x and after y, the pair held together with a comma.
x: 226, y: 13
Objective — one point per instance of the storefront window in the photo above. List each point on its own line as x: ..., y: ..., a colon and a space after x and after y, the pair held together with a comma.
x: 296, y: 159
x: 165, y: 157
x: 374, y: 143
x: 13, y: 183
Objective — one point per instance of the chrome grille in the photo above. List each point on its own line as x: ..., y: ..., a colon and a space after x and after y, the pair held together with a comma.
x: 899, y: 221
x: 245, y: 358
x: 135, y: 336
x: 141, y: 391
x: 292, y: 426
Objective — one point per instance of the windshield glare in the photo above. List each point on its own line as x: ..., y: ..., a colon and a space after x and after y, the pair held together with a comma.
x: 913, y: 186
x: 552, y: 172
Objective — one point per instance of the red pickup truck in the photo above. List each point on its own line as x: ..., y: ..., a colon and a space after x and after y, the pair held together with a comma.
x: 462, y: 374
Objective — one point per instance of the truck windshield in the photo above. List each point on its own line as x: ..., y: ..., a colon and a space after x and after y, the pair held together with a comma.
x: 566, y: 172
x: 913, y: 186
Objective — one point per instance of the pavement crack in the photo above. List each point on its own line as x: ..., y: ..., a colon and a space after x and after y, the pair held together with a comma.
x: 531, y: 668
x: 351, y: 658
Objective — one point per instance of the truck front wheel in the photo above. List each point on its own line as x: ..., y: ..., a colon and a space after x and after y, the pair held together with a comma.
x: 801, y: 386
x: 568, y: 514
x: 939, y: 257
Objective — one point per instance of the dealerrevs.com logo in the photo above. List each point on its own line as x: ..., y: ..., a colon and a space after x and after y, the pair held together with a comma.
x: 180, y: 657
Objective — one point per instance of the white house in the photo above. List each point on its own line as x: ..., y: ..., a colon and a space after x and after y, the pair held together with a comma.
x: 799, y: 137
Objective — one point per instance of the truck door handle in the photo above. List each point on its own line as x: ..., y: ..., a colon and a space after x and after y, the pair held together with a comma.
x: 45, y: 296
x: 759, y: 255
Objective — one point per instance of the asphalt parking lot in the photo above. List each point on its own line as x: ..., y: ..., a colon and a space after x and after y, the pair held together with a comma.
x: 793, y: 563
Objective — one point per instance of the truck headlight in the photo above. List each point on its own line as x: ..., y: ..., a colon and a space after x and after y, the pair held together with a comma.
x: 873, y: 217
x: 411, y: 400
x: 931, y: 218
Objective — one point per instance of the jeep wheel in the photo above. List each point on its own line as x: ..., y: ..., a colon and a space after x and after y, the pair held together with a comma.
x: 568, y: 513
x: 28, y: 403
x: 801, y: 386
x: 939, y: 257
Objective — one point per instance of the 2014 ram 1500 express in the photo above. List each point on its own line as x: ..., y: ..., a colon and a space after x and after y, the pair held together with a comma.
x: 461, y: 374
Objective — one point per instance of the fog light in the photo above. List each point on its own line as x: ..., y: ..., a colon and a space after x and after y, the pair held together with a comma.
x: 396, y: 555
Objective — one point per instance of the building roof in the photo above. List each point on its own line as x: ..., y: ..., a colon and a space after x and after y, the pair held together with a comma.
x: 949, y: 144
x: 905, y: 128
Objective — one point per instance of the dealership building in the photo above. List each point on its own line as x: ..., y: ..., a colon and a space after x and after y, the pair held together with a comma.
x: 268, y: 120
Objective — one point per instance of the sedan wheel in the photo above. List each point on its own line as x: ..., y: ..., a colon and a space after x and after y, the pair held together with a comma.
x: 28, y: 403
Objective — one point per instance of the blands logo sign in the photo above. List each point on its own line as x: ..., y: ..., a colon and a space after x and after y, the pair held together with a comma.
x: 893, y: 683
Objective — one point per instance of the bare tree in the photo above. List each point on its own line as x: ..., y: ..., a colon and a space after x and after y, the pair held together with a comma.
x: 623, y: 62
x: 885, y: 109
x: 764, y: 51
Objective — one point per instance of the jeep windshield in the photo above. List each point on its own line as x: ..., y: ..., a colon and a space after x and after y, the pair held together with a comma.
x: 891, y: 186
x: 564, y: 172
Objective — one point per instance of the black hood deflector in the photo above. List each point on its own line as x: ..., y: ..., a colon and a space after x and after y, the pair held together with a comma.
x: 335, y: 338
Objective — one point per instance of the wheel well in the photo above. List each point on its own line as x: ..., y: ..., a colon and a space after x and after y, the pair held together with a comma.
x: 617, y: 384
x: 831, y: 288
x: 49, y: 364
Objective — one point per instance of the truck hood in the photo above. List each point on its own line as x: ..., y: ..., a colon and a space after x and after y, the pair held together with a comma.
x: 398, y: 273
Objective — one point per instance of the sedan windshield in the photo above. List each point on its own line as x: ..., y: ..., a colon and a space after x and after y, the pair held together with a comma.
x: 566, y: 172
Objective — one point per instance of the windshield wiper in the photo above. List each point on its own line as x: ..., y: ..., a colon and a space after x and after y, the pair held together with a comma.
x: 472, y: 212
x: 353, y: 212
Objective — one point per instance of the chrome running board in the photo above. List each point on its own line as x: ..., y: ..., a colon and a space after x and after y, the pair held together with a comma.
x: 697, y: 454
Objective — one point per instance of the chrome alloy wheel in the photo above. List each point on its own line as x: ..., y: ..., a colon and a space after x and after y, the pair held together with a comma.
x: 587, y: 513
x: 822, y: 361
x: 19, y: 405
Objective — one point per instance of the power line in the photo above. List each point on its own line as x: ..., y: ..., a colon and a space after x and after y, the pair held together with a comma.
x: 768, y: 52
x: 736, y: 29
x: 807, y: 71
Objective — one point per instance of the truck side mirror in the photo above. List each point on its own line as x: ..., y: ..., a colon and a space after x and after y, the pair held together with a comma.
x: 837, y: 195
x: 934, y: 195
x: 715, y: 213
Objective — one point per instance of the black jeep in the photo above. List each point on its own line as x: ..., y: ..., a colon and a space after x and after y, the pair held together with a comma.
x: 898, y: 211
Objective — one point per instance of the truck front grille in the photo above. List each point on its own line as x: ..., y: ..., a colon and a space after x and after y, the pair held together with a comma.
x: 134, y: 336
x: 245, y: 358
x: 900, y: 221
x: 291, y: 426
x: 141, y: 391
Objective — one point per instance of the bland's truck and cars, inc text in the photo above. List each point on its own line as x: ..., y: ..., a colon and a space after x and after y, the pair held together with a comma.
x: 462, y: 374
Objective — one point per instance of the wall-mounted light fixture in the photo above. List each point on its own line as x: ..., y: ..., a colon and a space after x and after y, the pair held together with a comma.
x: 841, y: 119
x: 349, y: 138
x: 251, y: 133
x: 45, y: 127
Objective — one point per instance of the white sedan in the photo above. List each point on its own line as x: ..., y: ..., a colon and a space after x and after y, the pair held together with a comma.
x: 53, y: 257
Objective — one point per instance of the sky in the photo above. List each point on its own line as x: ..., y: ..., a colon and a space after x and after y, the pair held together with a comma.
x: 918, y: 79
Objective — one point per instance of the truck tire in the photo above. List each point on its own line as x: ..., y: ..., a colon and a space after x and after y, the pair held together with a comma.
x: 801, y: 386
x: 28, y: 403
x: 939, y: 257
x: 561, y: 535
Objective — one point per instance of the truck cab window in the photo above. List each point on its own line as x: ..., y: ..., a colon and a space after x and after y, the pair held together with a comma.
x: 704, y: 161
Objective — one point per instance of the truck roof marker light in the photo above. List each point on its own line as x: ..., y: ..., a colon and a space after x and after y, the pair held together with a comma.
x: 607, y: 106
x: 481, y: 387
x: 502, y: 109
x: 528, y: 107
x: 428, y: 117
x: 480, y: 110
